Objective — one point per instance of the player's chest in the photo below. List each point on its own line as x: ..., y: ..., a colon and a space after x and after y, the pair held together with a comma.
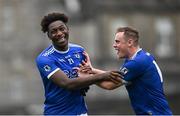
x: 69, y: 60
x: 67, y: 63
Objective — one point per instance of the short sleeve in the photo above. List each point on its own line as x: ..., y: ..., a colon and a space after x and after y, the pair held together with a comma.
x: 131, y: 70
x: 46, y: 66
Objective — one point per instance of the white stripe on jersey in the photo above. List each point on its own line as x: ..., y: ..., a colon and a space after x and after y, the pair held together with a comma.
x: 52, y: 73
x: 48, y: 52
x: 157, y: 67
x: 159, y: 71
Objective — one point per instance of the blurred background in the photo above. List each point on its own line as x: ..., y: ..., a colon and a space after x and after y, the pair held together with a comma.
x: 92, y: 24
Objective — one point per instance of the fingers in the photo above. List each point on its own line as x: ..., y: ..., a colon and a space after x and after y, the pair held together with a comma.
x: 117, y: 73
x: 87, y: 59
x: 84, y: 63
x: 86, y: 56
x: 115, y: 77
x: 80, y: 65
x: 84, y: 68
x: 115, y: 81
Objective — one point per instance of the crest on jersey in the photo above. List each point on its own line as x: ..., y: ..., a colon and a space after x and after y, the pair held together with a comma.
x: 47, y: 68
x: 77, y: 55
x: 124, y: 70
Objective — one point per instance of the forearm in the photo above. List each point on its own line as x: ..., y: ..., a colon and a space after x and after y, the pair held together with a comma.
x: 97, y: 71
x: 81, y: 82
x: 108, y: 85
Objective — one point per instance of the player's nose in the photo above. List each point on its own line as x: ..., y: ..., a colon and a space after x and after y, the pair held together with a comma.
x: 59, y: 32
x: 114, y: 45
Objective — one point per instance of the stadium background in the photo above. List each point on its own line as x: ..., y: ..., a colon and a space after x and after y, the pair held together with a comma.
x: 92, y: 24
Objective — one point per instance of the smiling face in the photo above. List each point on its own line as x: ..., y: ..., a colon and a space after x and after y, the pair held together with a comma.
x: 121, y: 45
x: 58, y: 33
x: 126, y: 42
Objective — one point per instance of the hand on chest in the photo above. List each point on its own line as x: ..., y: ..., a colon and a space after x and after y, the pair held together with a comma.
x: 67, y: 63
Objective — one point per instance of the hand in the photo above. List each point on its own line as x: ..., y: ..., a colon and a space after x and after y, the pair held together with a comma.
x: 87, y: 59
x: 82, y: 72
x: 85, y: 68
x: 115, y: 77
x: 86, y: 65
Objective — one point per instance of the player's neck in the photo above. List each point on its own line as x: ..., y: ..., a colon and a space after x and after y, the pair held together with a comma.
x: 61, y: 49
x: 133, y: 52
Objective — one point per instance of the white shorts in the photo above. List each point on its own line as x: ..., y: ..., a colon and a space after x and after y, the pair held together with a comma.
x: 83, y: 114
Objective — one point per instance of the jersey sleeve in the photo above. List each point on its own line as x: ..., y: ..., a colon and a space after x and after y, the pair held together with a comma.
x: 131, y: 70
x: 46, y: 66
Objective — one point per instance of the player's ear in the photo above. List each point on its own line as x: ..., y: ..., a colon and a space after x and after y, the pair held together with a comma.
x: 48, y: 34
x: 130, y: 42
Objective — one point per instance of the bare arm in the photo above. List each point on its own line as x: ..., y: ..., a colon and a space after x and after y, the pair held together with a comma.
x: 109, y: 85
x: 63, y: 81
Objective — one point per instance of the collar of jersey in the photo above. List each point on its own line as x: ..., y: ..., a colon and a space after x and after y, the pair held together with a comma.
x: 61, y: 52
x: 139, y: 49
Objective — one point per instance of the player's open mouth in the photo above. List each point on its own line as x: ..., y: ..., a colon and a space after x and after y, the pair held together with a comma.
x: 61, y: 40
x: 117, y: 51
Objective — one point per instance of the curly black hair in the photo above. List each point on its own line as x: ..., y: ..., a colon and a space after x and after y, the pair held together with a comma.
x: 51, y: 17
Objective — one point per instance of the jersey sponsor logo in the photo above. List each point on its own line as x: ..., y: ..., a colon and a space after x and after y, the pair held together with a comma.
x: 66, y: 72
x: 71, y: 73
x: 124, y: 70
x: 47, y: 68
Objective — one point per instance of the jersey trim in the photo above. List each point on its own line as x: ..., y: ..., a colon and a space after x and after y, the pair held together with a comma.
x: 52, y: 73
x: 61, y: 52
x: 139, y: 49
x: 48, y: 52
x: 159, y: 71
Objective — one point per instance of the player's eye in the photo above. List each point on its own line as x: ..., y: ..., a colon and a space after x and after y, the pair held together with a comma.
x: 62, y: 29
x: 53, y: 31
x: 117, y: 41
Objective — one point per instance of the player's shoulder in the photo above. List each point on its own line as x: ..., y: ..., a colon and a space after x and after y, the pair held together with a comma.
x: 47, y: 51
x: 76, y: 46
x: 143, y: 57
x: 44, y: 55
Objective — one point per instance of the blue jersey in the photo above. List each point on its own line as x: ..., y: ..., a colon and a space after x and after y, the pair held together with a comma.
x: 58, y: 100
x: 145, y: 86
